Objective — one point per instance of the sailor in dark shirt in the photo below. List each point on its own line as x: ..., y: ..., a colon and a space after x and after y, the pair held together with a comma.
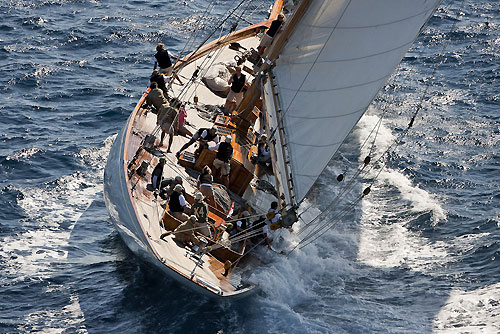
x: 237, y: 82
x: 204, y: 135
x: 160, y: 81
x: 222, y: 161
x: 157, y: 174
x: 267, y: 38
x: 163, y: 60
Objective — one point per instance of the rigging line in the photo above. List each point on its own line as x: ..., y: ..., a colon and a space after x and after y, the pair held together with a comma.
x: 318, y: 226
x: 217, y: 28
x: 325, y: 229
x: 192, y: 37
x: 207, y: 62
x: 321, y: 228
x: 188, y: 84
x: 342, y: 191
x: 251, y: 249
x: 217, y: 52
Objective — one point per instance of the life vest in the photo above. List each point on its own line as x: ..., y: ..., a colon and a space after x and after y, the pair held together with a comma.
x: 174, y: 204
x: 200, y: 210
x: 238, y: 83
x: 225, y: 152
x: 163, y: 59
x: 158, y: 78
x: 271, y: 214
x: 208, y: 137
x: 206, y: 179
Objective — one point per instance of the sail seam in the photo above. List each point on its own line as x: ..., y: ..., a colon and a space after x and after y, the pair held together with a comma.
x: 329, y: 116
x: 339, y: 88
x: 375, y: 25
x: 349, y: 59
x: 315, y: 145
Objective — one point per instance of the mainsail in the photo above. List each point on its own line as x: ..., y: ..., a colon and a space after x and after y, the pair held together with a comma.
x: 336, y: 59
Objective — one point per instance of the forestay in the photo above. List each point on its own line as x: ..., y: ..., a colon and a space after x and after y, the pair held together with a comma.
x: 336, y: 59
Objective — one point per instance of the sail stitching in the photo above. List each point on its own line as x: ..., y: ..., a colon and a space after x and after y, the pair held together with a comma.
x: 357, y: 58
x: 315, y: 145
x: 339, y: 88
x: 329, y: 116
x: 377, y: 25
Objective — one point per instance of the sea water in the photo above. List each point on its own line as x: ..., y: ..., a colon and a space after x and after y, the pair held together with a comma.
x: 419, y: 254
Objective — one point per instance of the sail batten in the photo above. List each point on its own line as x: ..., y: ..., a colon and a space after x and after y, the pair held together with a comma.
x: 339, y: 55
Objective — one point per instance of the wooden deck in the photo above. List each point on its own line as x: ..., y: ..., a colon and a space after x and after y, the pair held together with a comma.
x: 150, y: 210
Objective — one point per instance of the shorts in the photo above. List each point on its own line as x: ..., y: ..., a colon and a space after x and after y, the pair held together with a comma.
x: 265, y: 41
x: 167, y: 127
x: 168, y: 71
x: 235, y: 96
x: 225, y: 167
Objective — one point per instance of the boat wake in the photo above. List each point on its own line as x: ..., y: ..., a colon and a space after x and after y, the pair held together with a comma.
x: 37, y: 254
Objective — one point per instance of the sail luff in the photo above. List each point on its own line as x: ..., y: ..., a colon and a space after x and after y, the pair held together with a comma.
x: 339, y: 55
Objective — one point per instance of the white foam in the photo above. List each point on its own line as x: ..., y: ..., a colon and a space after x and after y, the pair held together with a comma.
x: 470, y: 311
x: 421, y: 200
x: 31, y: 255
x: 387, y: 245
x: 54, y: 321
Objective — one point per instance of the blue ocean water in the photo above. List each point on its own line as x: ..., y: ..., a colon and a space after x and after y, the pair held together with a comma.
x: 419, y: 255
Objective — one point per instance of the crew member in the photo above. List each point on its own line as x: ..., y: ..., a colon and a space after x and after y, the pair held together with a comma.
x: 200, y: 210
x: 222, y: 161
x: 167, y: 118
x: 163, y: 60
x: 203, y: 135
x: 267, y: 38
x: 155, y: 97
x: 204, y: 183
x: 237, y: 82
x: 177, y: 204
x: 157, y: 174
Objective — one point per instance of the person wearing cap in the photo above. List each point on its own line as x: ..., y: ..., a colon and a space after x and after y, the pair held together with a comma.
x: 200, y: 210
x: 237, y: 82
x: 204, y: 183
x: 263, y: 151
x: 185, y: 232
x: 157, y: 174
x: 267, y: 38
x: 155, y: 97
x: 168, y: 185
x: 177, y: 204
x: 242, y: 224
x: 203, y: 135
x: 222, y: 161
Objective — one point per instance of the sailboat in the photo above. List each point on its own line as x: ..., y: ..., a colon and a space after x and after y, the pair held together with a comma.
x: 306, y: 91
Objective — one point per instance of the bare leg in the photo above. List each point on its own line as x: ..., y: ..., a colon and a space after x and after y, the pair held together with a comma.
x: 185, y: 146
x: 162, y: 137
x: 225, y: 179
x: 170, y: 140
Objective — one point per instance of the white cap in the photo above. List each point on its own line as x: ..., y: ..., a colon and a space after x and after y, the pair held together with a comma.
x: 228, y: 139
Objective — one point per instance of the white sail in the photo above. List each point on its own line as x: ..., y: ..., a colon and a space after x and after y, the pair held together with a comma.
x: 336, y: 59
